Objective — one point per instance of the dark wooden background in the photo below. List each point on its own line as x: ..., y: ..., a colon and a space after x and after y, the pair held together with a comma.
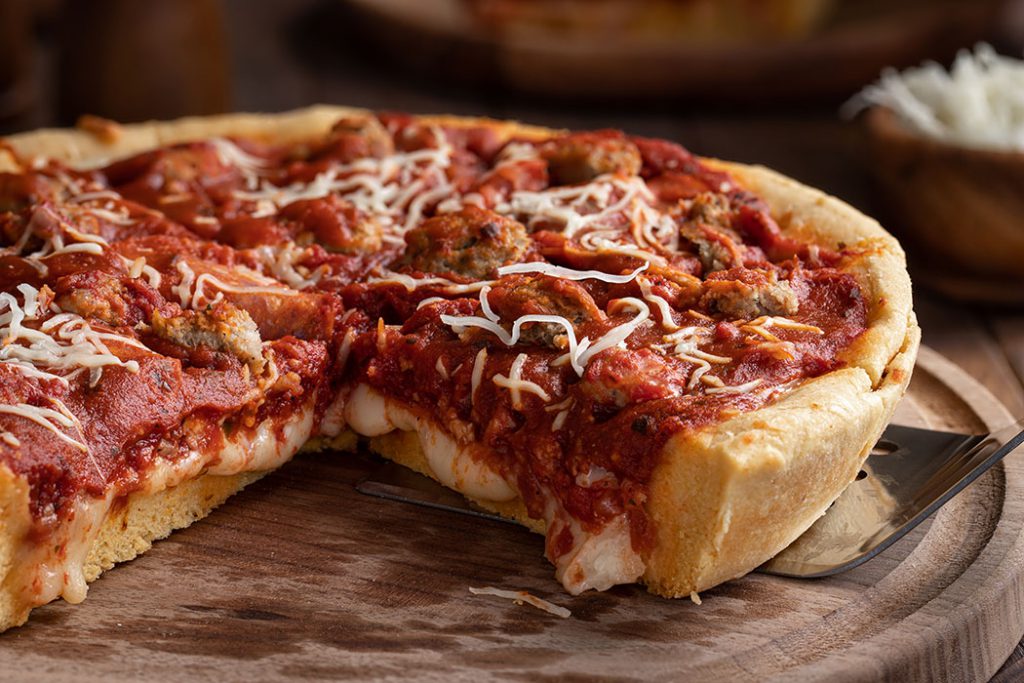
x: 269, y: 56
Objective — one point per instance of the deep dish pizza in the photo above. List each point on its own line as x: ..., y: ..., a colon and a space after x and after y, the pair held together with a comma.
x: 668, y: 365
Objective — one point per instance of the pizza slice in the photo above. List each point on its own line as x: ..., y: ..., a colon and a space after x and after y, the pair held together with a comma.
x: 669, y: 366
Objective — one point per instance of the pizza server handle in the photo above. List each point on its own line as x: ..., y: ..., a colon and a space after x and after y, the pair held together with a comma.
x: 910, y: 474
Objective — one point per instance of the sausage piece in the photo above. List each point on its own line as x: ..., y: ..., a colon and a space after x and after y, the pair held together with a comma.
x: 581, y: 157
x: 748, y: 293
x: 472, y: 242
x: 519, y: 295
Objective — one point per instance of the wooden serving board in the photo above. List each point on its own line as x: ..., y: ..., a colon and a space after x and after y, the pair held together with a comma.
x: 300, y: 576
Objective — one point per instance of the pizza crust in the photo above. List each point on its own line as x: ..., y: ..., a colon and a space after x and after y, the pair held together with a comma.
x: 725, y: 500
x: 86, y: 148
x: 708, y: 495
x: 15, y: 521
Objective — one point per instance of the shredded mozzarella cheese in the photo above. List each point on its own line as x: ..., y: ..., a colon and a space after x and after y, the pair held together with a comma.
x: 191, y: 290
x: 516, y: 384
x: 396, y: 189
x: 478, y: 373
x: 411, y: 283
x: 618, y: 334
x: 735, y: 389
x: 568, y: 273
x: 282, y: 262
x: 522, y: 597
x: 64, y: 342
x: 684, y: 345
x: 977, y: 103
x: 667, y: 321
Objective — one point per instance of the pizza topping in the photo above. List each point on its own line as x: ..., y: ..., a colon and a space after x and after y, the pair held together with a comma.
x: 472, y: 243
x: 334, y: 223
x: 479, y: 363
x: 56, y: 421
x: 602, y: 203
x: 516, y: 384
x: 708, y: 227
x: 660, y: 303
x: 569, y: 273
x: 353, y: 138
x: 514, y: 172
x: 221, y: 327
x: 615, y: 336
x: 395, y: 189
x: 285, y: 262
x: 581, y: 157
x: 620, y: 377
x: 547, y: 310
x: 737, y: 389
x: 230, y: 154
x: 62, y: 342
x: 748, y: 293
x: 192, y: 289
x: 683, y: 344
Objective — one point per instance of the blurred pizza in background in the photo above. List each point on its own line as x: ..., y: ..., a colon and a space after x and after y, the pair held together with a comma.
x: 699, y: 21
x: 724, y: 50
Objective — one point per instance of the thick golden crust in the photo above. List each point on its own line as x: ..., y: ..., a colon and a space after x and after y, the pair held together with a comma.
x: 129, y: 530
x: 81, y: 147
x: 14, y: 524
x: 726, y: 499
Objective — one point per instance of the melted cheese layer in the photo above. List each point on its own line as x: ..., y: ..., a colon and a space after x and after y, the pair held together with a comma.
x: 596, y: 561
x: 57, y: 569
x: 369, y: 413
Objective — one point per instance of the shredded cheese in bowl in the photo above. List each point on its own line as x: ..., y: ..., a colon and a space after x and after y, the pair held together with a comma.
x: 978, y: 103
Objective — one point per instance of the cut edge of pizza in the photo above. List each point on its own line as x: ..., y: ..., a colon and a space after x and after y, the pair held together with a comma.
x: 723, y: 498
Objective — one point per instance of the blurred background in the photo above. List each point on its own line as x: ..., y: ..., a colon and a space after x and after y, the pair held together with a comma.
x: 750, y: 80
x: 758, y: 81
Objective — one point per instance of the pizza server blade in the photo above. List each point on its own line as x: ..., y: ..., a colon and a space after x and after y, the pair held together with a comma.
x: 910, y: 474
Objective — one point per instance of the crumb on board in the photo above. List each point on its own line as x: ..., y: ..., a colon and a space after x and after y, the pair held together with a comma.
x: 104, y: 129
x: 523, y: 597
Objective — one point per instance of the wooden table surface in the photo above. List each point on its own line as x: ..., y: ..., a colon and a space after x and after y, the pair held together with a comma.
x: 295, y: 53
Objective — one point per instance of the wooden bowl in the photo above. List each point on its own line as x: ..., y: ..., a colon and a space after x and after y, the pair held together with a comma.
x: 959, y: 211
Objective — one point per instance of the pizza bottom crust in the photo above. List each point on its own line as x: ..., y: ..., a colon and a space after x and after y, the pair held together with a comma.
x: 404, y: 448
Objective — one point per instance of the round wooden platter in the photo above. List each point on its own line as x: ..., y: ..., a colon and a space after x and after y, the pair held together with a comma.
x: 300, y: 576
